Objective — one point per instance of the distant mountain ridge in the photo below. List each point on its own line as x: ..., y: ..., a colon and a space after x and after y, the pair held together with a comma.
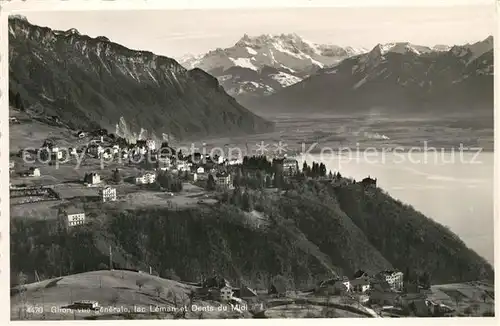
x: 264, y: 64
x: 397, y: 77
x: 92, y: 82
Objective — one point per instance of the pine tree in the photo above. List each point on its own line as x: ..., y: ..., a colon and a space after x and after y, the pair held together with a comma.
x: 117, y: 178
x: 305, y: 169
x: 269, y: 181
x: 211, y: 183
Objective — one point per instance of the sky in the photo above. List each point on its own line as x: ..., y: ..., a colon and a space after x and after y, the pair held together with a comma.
x: 175, y: 33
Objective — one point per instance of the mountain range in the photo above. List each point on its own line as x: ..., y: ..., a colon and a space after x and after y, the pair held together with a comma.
x: 94, y: 83
x: 284, y: 73
x: 265, y: 64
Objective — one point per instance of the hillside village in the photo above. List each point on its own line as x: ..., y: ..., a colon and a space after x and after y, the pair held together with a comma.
x: 113, y: 170
x: 150, y: 174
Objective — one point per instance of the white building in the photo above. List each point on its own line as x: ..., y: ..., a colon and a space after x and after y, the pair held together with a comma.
x: 139, y: 150
x: 182, y: 166
x: 200, y: 170
x: 394, y: 278
x: 55, y: 152
x: 347, y: 283
x: 72, y: 151
x: 96, y: 150
x: 107, y: 194
x: 360, y: 285
x: 107, y: 155
x: 115, y: 149
x: 147, y: 178
x: 290, y: 166
x: 151, y: 144
x: 223, y: 180
x: 34, y: 172
x: 226, y: 293
x: 74, y: 217
x: 92, y: 178
x: 235, y: 161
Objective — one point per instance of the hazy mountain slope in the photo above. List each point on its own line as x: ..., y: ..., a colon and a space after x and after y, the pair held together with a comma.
x: 264, y: 64
x: 397, y: 77
x: 417, y: 242
x: 93, y: 82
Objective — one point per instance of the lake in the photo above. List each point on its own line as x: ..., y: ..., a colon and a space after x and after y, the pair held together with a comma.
x: 454, y: 191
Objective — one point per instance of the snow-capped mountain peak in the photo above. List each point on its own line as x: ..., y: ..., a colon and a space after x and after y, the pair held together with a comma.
x: 268, y: 62
x: 400, y: 47
x: 441, y: 48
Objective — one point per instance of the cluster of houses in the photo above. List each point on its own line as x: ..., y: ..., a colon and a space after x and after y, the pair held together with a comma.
x: 219, y: 289
x: 362, y: 283
x: 386, y: 289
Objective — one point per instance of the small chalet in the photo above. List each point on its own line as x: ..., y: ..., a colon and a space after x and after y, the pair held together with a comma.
x: 244, y: 292
x: 107, y: 194
x: 107, y: 155
x: 182, y: 166
x: 95, y: 150
x: 393, y: 278
x: 92, y: 179
x: 223, y: 179
x: 74, y: 217
x: 147, y: 178
x: 360, y: 285
x: 115, y: 149
x: 290, y: 166
x: 234, y: 161
x: 151, y: 144
x: 34, y: 172
x: 332, y: 287
x: 367, y: 182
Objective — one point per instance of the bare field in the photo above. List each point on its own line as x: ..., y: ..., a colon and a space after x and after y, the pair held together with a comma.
x: 119, y: 290
x: 115, y: 291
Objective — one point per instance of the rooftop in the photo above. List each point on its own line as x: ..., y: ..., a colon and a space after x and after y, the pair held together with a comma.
x: 389, y: 272
x: 360, y: 281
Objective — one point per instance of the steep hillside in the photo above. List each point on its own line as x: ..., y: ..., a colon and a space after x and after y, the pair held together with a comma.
x: 264, y: 64
x: 314, y: 230
x: 396, y: 77
x: 93, y: 82
x: 416, y: 242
